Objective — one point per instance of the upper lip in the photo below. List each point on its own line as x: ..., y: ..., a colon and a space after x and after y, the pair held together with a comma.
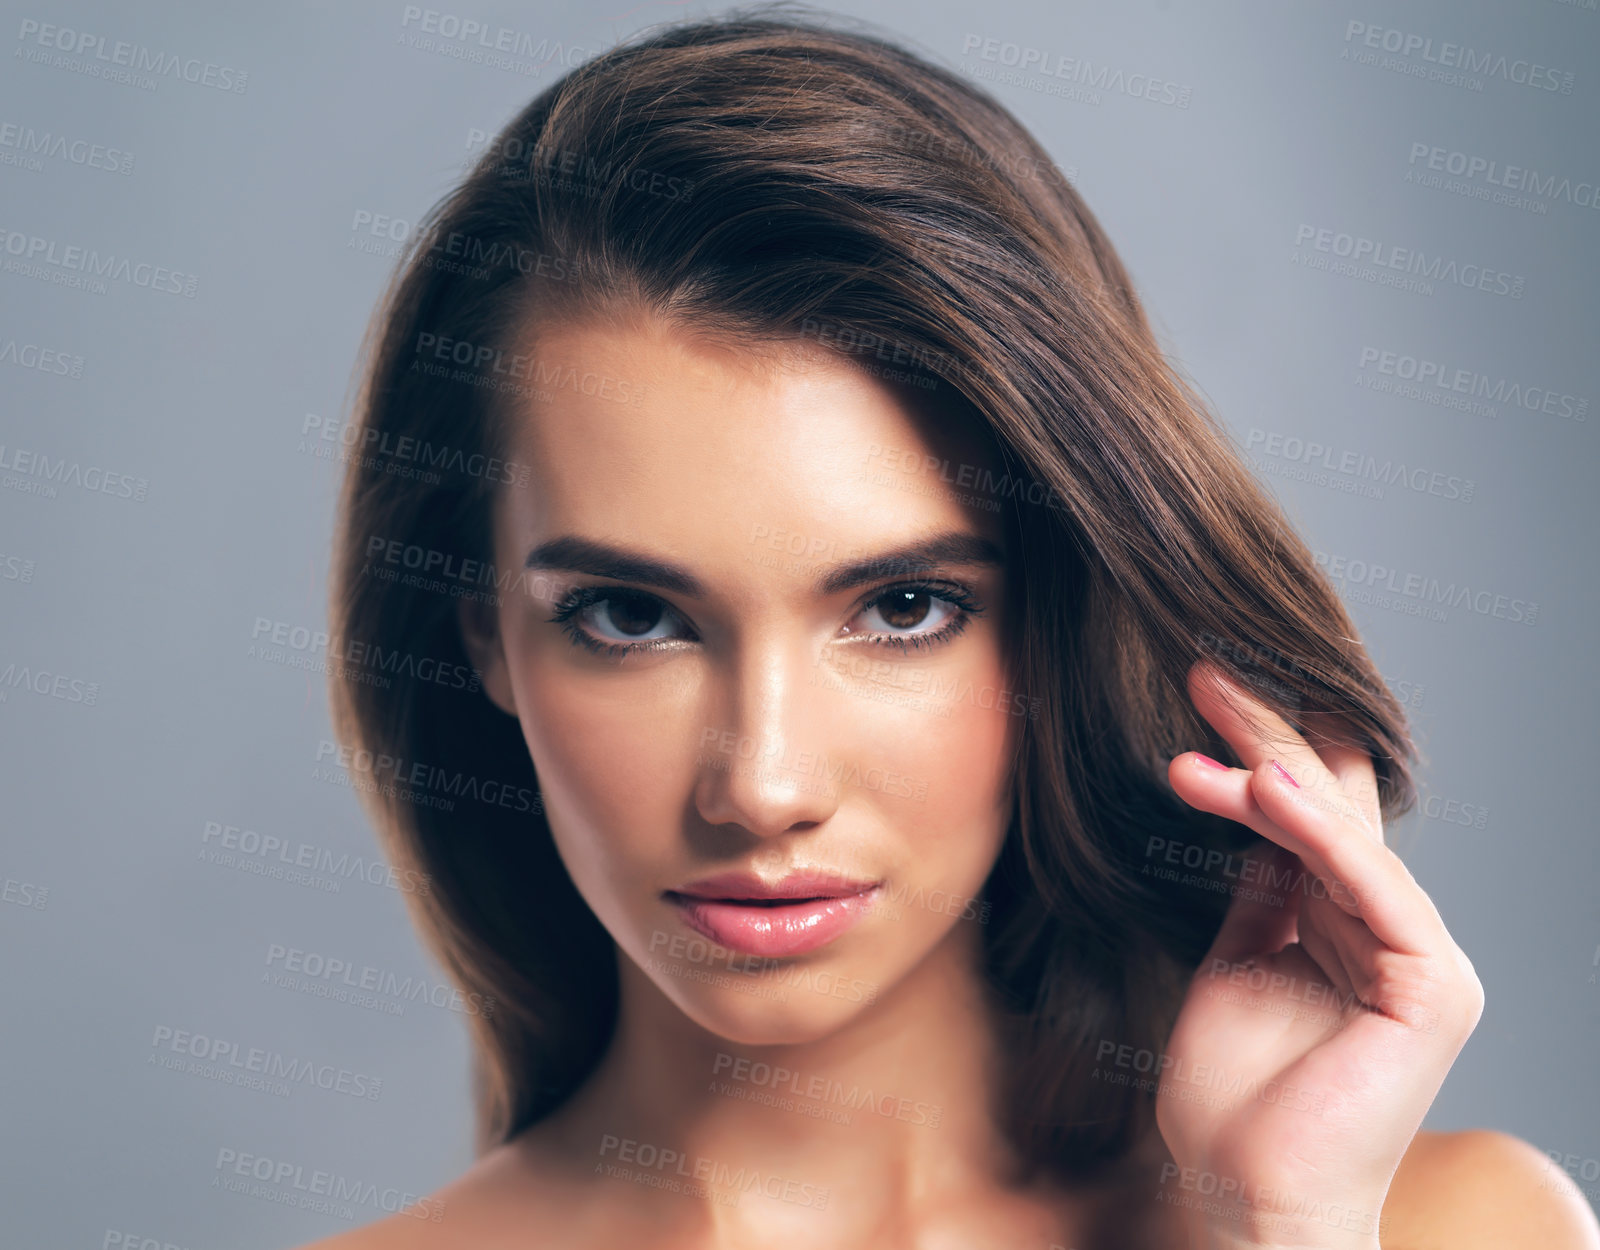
x: 797, y: 884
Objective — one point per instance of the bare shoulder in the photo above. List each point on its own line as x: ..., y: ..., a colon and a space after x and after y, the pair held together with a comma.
x: 502, y: 1194
x: 397, y: 1232
x: 1481, y: 1188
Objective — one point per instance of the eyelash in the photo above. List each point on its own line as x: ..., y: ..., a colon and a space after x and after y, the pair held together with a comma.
x: 954, y: 593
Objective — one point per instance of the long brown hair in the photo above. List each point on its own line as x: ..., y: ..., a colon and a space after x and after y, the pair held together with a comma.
x: 765, y: 176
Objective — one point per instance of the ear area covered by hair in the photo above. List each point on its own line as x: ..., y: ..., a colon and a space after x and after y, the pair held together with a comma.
x: 480, y: 636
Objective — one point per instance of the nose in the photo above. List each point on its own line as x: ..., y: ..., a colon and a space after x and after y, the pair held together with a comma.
x: 764, y: 761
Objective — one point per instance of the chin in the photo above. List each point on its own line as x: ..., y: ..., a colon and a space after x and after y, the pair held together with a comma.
x: 745, y: 1019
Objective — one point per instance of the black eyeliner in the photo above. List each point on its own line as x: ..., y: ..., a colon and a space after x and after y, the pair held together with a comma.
x: 955, y: 593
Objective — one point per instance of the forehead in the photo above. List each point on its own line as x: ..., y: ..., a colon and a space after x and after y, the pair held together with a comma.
x: 642, y: 431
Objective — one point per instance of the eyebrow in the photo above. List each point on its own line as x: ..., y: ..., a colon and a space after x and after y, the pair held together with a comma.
x: 572, y: 554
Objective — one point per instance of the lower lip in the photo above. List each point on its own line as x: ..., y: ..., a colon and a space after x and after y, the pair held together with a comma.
x: 776, y: 931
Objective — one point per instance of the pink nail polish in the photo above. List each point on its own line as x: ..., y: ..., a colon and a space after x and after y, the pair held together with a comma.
x: 1284, y: 773
x: 1209, y: 762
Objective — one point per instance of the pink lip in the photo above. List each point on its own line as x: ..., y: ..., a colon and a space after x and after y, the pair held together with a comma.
x: 796, y: 914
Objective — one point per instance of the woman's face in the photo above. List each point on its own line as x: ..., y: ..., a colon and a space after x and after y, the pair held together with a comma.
x: 772, y: 736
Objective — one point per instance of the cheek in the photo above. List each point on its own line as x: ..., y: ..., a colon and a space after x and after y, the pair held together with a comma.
x: 934, y: 749
x: 965, y: 758
x: 608, y: 772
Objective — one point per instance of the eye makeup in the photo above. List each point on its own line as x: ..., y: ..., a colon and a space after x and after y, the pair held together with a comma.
x: 582, y: 610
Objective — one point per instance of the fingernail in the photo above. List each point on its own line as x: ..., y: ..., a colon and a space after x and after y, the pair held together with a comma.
x: 1209, y: 762
x: 1284, y: 773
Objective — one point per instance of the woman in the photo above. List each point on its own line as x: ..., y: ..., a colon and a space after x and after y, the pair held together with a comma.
x: 921, y: 792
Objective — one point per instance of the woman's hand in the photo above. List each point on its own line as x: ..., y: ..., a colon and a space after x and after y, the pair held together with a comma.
x: 1321, y: 1023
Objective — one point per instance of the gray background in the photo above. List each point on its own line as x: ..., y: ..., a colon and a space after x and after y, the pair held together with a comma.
x: 205, y: 398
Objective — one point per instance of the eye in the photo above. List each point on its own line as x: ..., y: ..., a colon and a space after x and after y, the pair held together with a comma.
x: 628, y: 617
x: 615, y: 621
x: 908, y: 609
x: 916, y: 615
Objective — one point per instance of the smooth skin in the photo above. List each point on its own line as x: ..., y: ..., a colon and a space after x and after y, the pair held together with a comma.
x: 889, y: 758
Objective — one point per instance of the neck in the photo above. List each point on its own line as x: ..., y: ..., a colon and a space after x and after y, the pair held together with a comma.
x: 854, y: 1129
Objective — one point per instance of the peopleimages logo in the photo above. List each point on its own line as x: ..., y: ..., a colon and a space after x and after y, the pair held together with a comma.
x: 44, y: 359
x: 227, y: 1062
x: 289, y: 967
x: 418, y: 782
x: 29, y: 254
x: 1420, y: 594
x: 1409, y: 261
x: 1354, y: 467
x: 678, y: 1165
x: 49, y: 474
x: 43, y: 681
x: 283, y: 1181
x: 1455, y: 56
x: 233, y: 846
x: 728, y: 745
x: 120, y: 61
x: 743, y: 1072
x: 1471, y: 167
x: 1077, y: 70
x: 495, y: 368
x: 467, y: 30
x: 26, y: 145
x: 302, y: 647
x: 1431, y: 379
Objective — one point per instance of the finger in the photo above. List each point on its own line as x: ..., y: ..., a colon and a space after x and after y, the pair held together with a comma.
x: 1325, y: 941
x: 1358, y: 780
x: 1270, y: 802
x: 1258, y: 733
x: 1255, y: 730
x: 1365, y: 878
x: 1421, y: 992
x: 1208, y: 786
x: 1364, y: 958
